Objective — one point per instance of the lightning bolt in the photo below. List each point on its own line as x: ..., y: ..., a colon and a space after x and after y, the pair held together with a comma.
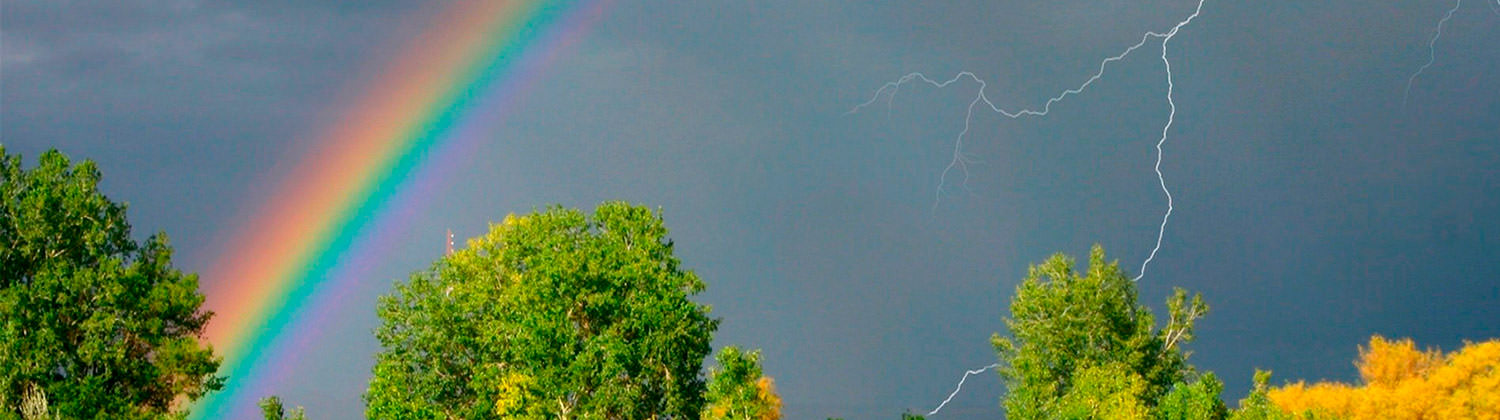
x: 1432, y: 49
x: 961, y: 162
x: 960, y: 386
x: 1171, y: 116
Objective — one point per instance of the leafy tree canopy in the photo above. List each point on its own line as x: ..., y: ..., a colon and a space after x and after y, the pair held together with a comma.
x: 555, y: 314
x: 738, y: 391
x: 272, y: 409
x: 1257, y: 405
x: 92, y: 323
x: 1080, y: 341
x: 1402, y: 382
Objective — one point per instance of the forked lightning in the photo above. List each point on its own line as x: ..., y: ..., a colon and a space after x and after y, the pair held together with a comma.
x: 960, y: 162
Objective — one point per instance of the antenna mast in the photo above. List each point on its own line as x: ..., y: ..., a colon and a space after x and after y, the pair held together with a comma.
x: 449, y: 250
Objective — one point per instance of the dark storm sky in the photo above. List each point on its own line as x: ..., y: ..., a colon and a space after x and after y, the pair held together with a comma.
x: 1312, y: 208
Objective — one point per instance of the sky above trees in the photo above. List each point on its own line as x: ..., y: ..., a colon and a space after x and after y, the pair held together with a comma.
x: 1313, y: 209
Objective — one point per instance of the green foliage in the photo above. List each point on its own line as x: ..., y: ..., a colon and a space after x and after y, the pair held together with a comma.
x: 550, y: 315
x: 272, y: 409
x: 1198, y: 400
x: 92, y: 324
x: 1109, y: 391
x: 737, y: 390
x: 1071, y: 330
x: 1258, y: 405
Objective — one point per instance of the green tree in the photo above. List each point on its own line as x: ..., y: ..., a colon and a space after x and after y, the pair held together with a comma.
x: 1068, y: 327
x: 272, y: 409
x: 555, y: 314
x: 1198, y: 400
x: 738, y: 391
x: 92, y: 323
x: 1257, y: 405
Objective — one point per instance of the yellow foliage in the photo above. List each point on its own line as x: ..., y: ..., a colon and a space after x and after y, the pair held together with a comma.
x: 514, y: 390
x: 765, y: 391
x: 1388, y: 363
x: 718, y: 411
x: 1401, y: 382
x: 1301, y: 397
x: 766, y: 405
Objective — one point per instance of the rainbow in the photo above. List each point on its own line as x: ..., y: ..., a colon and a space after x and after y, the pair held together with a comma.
x: 333, y: 215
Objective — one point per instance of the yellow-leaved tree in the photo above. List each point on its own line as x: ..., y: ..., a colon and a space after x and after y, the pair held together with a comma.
x: 738, y: 390
x: 1402, y: 382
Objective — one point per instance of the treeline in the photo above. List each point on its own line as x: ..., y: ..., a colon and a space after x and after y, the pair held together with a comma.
x: 1081, y: 347
x: 1400, y: 382
x: 565, y: 314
